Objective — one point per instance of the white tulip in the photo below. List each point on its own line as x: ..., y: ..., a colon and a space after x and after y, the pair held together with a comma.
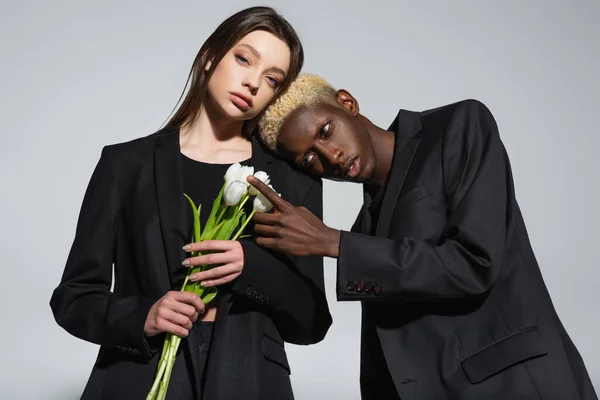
x: 261, y: 204
x: 263, y: 177
x: 246, y: 172
x: 233, y: 172
x: 234, y: 191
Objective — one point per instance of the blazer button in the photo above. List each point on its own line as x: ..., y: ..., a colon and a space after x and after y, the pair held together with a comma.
x: 369, y: 288
x: 360, y: 287
x: 351, y: 286
x: 377, y: 290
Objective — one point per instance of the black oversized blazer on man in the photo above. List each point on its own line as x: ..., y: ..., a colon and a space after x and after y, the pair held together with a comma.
x: 134, y: 215
x: 448, y: 281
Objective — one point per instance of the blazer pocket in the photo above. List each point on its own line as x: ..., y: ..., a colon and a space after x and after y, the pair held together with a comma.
x: 513, y: 349
x: 274, y: 352
x: 412, y: 196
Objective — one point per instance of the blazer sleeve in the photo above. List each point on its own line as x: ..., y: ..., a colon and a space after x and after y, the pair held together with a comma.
x: 290, y: 288
x: 466, y: 259
x: 83, y: 303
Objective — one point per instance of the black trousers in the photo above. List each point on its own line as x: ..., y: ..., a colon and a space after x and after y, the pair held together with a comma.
x: 181, y: 386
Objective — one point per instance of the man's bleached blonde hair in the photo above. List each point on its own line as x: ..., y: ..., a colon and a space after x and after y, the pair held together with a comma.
x: 306, y: 90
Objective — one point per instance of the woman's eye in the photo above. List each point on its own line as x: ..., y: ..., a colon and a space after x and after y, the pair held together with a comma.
x: 325, y: 129
x: 242, y: 59
x: 307, y: 160
x: 272, y: 81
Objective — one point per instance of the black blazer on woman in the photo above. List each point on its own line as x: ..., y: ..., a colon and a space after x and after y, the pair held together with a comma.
x: 134, y: 215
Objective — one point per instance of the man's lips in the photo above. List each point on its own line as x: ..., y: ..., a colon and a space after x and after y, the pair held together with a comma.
x: 352, y: 167
x: 241, y: 100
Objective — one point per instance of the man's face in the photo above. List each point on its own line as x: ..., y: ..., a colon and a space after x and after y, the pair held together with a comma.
x: 328, y: 141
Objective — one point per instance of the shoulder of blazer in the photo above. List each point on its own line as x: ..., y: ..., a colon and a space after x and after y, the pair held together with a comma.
x: 135, y: 150
x: 459, y: 112
x: 297, y: 182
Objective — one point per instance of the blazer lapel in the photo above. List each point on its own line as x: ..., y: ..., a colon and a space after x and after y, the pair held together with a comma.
x: 174, y: 221
x: 406, y: 125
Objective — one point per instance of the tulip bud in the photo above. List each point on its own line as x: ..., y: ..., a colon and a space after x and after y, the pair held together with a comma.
x: 246, y: 172
x: 261, y: 204
x: 234, y: 191
x: 263, y: 177
x: 233, y: 172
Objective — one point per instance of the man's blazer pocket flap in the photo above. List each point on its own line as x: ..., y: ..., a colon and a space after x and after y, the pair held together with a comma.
x: 274, y: 351
x: 412, y: 196
x: 508, y: 351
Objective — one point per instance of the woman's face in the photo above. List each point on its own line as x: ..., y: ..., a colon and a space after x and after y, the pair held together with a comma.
x: 249, y: 75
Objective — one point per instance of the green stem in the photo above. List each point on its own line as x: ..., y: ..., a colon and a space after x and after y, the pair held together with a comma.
x: 162, y: 364
x: 239, y: 232
x: 239, y: 207
x: 173, y: 347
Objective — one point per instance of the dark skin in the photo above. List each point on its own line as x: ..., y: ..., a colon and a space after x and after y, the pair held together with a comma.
x: 331, y: 142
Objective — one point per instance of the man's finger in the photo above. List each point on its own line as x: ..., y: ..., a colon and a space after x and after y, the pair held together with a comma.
x: 270, y: 194
x: 266, y: 219
x: 266, y: 230
x: 268, y: 243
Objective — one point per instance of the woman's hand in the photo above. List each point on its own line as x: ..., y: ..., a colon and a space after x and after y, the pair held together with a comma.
x: 226, y: 253
x: 175, y: 313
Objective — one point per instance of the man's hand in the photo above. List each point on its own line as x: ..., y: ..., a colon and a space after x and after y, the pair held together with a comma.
x: 292, y: 230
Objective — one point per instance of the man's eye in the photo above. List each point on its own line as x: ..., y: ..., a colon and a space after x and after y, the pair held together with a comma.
x: 325, y: 130
x: 307, y: 160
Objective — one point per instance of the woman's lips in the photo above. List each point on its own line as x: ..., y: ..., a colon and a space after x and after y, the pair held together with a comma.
x: 242, y: 102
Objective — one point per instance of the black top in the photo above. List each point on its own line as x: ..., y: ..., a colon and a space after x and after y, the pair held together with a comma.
x: 202, y: 182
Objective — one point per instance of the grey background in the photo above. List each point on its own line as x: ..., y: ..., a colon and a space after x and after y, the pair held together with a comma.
x: 77, y: 75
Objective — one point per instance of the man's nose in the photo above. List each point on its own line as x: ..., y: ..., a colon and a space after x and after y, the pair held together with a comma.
x: 332, y: 155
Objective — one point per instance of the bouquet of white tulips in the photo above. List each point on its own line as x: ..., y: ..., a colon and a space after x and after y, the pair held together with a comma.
x: 226, y: 216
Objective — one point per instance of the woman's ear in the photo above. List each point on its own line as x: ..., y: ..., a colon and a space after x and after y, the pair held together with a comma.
x: 347, y: 101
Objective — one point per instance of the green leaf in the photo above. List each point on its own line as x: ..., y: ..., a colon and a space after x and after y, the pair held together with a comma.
x: 199, y: 290
x: 226, y: 231
x: 210, y: 223
x: 209, y: 295
x: 196, y: 211
x: 209, y: 235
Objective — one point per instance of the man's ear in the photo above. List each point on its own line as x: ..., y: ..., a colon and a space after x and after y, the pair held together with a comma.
x: 346, y: 100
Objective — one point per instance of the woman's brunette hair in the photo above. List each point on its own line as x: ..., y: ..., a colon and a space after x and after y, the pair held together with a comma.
x: 219, y: 43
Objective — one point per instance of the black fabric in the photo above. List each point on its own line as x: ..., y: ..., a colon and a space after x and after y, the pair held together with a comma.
x: 203, y: 181
x: 182, y: 383
x: 135, y: 220
x: 462, y: 312
x: 376, y: 382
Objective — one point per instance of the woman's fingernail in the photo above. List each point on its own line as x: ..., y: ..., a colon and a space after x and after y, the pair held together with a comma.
x: 187, y: 247
x: 193, y: 277
x: 203, y: 284
x: 185, y: 262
